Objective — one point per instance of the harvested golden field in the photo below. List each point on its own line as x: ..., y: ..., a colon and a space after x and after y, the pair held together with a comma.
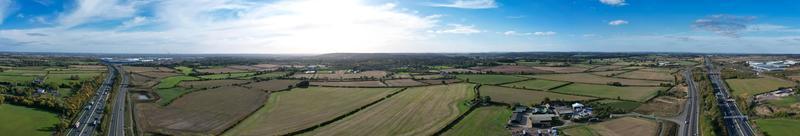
x: 219, y: 70
x: 647, y: 75
x: 350, y: 84
x: 210, y: 83
x: 506, y: 69
x: 563, y: 69
x: 416, y: 111
x: 524, y: 97
x: 201, y: 113
x: 272, y: 85
x: 595, y: 79
x: 403, y: 82
x: 146, y: 69
x: 301, y: 108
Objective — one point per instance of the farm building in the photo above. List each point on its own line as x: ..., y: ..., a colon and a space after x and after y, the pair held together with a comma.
x: 518, y: 117
x: 542, y: 120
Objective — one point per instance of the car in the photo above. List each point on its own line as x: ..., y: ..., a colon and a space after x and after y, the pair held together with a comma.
x: 685, y: 122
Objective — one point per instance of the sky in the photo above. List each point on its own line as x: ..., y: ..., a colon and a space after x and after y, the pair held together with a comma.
x: 427, y: 26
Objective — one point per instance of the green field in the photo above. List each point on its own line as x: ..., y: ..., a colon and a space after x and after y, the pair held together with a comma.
x: 269, y: 75
x: 581, y: 130
x: 749, y: 87
x: 785, y: 101
x: 536, y: 84
x: 640, y: 94
x: 490, y: 79
x: 184, y: 70
x: 167, y: 95
x: 16, y: 79
x: 24, y: 121
x: 226, y: 76
x: 301, y: 108
x: 525, y: 97
x: 623, y: 105
x: 170, y: 82
x: 483, y: 121
x: 778, y: 127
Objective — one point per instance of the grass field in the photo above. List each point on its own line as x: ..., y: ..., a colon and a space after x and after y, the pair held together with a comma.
x: 170, y: 82
x: 749, y: 87
x: 211, y: 83
x: 24, y: 121
x: 647, y: 75
x: 169, y: 94
x: 483, y: 121
x: 301, y: 108
x: 581, y: 130
x: 490, y: 79
x: 626, y: 126
x: 785, y: 101
x: 184, y: 70
x: 272, y: 85
x: 226, y: 76
x: 640, y: 94
x: 594, y: 79
x: 525, y: 97
x: 269, y: 75
x: 536, y: 84
x: 624, y: 105
x: 778, y: 127
x: 416, y: 111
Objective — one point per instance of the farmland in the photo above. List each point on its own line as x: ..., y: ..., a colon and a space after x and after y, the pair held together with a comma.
x: 269, y: 75
x: 490, y: 79
x: 525, y: 97
x: 778, y: 127
x: 563, y: 69
x: 626, y: 126
x: 300, y: 108
x: 400, y: 114
x: 640, y: 94
x: 622, y: 105
x: 210, y: 83
x: 647, y: 75
x: 748, y: 87
x: 219, y: 70
x: 608, y: 73
x: 24, y: 121
x: 403, y: 82
x: 483, y: 121
x: 511, y: 70
x: 272, y: 85
x: 135, y: 69
x: 594, y: 79
x: 170, y: 82
x: 350, y: 84
x: 662, y: 106
x: 169, y: 94
x: 201, y: 113
x: 185, y: 70
x: 227, y: 75
x: 536, y: 84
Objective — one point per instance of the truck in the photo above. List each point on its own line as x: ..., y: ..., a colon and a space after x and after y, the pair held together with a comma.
x: 77, y: 124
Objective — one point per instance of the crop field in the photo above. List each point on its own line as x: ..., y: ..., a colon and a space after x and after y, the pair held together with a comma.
x: 210, y: 83
x: 524, y: 97
x: 269, y: 75
x: 220, y: 70
x: 401, y: 114
x: 647, y: 75
x: 146, y: 69
x: 301, y: 108
x: 24, y: 121
x: 401, y: 75
x: 341, y: 74
x: 595, y: 79
x: 483, y: 121
x: 606, y: 68
x: 536, y: 84
x: 661, y: 70
x: 155, y: 74
x: 169, y: 94
x: 403, y: 82
x: 623, y: 105
x: 434, y: 76
x: 440, y: 81
x: 350, y: 84
x: 778, y: 127
x: 140, y: 81
x: 227, y: 75
x: 170, y: 82
x: 201, y: 113
x: 609, y: 73
x: 662, y: 106
x: 267, y: 66
x: 490, y: 79
x: 184, y: 70
x: 749, y: 87
x: 459, y: 70
x: 626, y: 126
x: 511, y: 69
x: 640, y: 94
x: 247, y: 68
x: 563, y: 69
x: 272, y: 85
x: 88, y: 67
x: 786, y: 101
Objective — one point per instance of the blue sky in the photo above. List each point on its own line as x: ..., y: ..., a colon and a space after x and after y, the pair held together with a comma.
x: 325, y: 26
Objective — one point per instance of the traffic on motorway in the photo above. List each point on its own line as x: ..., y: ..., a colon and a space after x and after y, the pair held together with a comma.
x: 735, y: 122
x: 92, y: 114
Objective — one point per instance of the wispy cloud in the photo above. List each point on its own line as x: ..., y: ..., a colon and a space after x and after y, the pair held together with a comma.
x: 726, y: 25
x: 542, y: 33
x: 547, y: 33
x: 614, y: 2
x: 458, y: 29
x: 468, y: 4
x: 617, y: 22
x: 97, y: 10
x: 5, y: 9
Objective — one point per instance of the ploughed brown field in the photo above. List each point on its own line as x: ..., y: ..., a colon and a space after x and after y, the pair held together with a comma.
x: 201, y: 113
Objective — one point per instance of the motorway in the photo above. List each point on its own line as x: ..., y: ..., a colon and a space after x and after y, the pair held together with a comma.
x: 92, y: 113
x: 117, y: 126
x: 735, y: 122
x: 692, y: 108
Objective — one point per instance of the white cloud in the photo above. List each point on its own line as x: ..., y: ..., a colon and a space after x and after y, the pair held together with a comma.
x: 617, y: 22
x: 294, y: 26
x: 614, y: 2
x: 468, y: 4
x: 134, y: 22
x: 458, y: 29
x: 5, y: 9
x: 548, y: 33
x: 770, y: 28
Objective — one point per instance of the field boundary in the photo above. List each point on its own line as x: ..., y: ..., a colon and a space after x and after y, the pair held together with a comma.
x: 526, y: 79
x: 623, y: 85
x: 472, y: 107
x: 342, y: 116
x: 595, y: 97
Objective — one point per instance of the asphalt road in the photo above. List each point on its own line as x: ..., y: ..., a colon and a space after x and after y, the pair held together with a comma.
x: 735, y: 122
x: 92, y: 113
x: 117, y: 126
x: 692, y: 106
